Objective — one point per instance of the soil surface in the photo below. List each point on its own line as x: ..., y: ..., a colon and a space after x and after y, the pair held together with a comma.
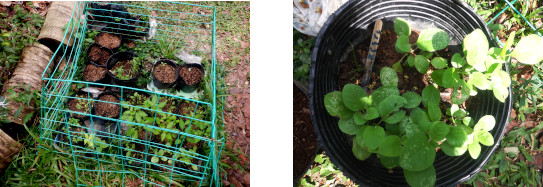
x: 305, y: 140
x: 94, y: 73
x: 109, y: 40
x: 127, y: 69
x: 99, y: 55
x: 164, y: 73
x: 186, y: 107
x: 170, y: 103
x: 108, y: 109
x: 84, y: 106
x: 191, y: 76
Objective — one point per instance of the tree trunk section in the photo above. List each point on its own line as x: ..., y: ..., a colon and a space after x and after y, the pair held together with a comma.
x: 8, y: 148
x: 58, y: 16
x: 33, y: 62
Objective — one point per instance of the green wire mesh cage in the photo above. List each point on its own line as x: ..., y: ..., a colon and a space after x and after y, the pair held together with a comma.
x: 163, y: 137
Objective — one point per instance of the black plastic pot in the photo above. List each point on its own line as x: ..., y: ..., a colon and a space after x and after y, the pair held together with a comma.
x: 123, y: 55
x: 352, y: 23
x: 101, y: 47
x: 104, y: 79
x: 111, y: 29
x: 100, y: 11
x: 129, y: 29
x: 182, y: 85
x: 94, y: 107
x: 77, y: 116
x: 160, y: 84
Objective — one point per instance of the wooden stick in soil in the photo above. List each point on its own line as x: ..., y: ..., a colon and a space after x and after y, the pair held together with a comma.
x: 33, y: 62
x: 373, y: 51
x: 58, y: 16
x: 8, y: 148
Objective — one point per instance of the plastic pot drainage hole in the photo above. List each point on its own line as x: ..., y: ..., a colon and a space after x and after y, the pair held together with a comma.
x: 353, y: 23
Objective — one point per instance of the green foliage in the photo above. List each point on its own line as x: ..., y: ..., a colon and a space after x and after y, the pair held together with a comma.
x: 302, y: 56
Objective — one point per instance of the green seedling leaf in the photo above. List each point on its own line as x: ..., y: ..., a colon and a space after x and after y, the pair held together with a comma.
x: 371, y: 113
x: 501, y: 93
x: 427, y: 54
x: 397, y: 67
x: 388, y: 77
x: 502, y: 78
x: 409, y: 127
x: 433, y: 39
x: 366, y: 101
x: 393, y: 129
x: 461, y: 113
x: 421, y: 64
x: 430, y: 94
x: 479, y: 80
x: 396, y: 117
x: 359, y: 119
x: 154, y: 159
x: 468, y: 131
x: 413, y: 99
x: 437, y: 76
x: 410, y: 61
x: 373, y: 135
x: 424, y: 178
x: 439, y: 62
x: 381, y: 93
x: 475, y: 45
x: 359, y: 134
x: 359, y: 152
x: 484, y: 137
x: 508, y: 44
x: 389, y: 162
x: 418, y: 153
x: 439, y: 131
x: 402, y: 44
x: 468, y: 121
x: 390, y: 104
x: 390, y: 146
x: 474, y: 150
x: 486, y: 123
x: 528, y: 50
x: 459, y: 98
x: 333, y: 102
x: 457, y: 61
x: 425, y: 125
x: 451, y: 150
x: 451, y: 78
x: 457, y: 137
x: 434, y: 112
x: 402, y: 27
x: 348, y: 126
x: 352, y: 97
x: 418, y: 115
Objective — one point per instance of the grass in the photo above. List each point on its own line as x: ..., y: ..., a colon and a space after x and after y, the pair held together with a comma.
x: 36, y: 166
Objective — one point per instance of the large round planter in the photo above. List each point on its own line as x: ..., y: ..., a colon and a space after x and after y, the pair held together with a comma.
x: 353, y: 23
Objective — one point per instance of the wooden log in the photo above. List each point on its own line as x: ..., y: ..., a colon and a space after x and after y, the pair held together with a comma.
x: 8, y: 148
x: 33, y: 62
x: 57, y: 17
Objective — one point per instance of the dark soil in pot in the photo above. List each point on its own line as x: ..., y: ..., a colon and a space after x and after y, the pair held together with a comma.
x: 80, y: 105
x: 164, y: 74
x: 124, y: 68
x: 305, y: 140
x: 107, y: 109
x: 191, y: 74
x: 93, y: 73
x: 109, y: 40
x: 127, y: 72
x: 98, y: 54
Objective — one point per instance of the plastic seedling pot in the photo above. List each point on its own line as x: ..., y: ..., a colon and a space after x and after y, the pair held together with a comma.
x: 107, y: 114
x: 101, y: 11
x: 80, y: 116
x: 110, y: 29
x: 123, y: 55
x: 104, y: 79
x: 101, y: 127
x: 352, y: 23
x: 182, y: 85
x: 163, y: 85
x: 102, y: 49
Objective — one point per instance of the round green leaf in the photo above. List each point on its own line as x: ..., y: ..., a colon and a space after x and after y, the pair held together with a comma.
x: 437, y: 76
x: 474, y: 150
x: 430, y: 94
x: 410, y: 61
x: 402, y: 27
x: 381, y: 93
x: 501, y: 93
x: 486, y: 123
x: 417, y: 115
x: 434, y: 112
x: 413, y: 99
x: 421, y: 64
x: 425, y: 125
x: 393, y: 129
x: 439, y: 62
x: 439, y: 131
x: 485, y: 138
x: 371, y: 113
x: 528, y: 50
x: 424, y: 178
x: 373, y: 135
x: 451, y: 150
x: 479, y: 80
x: 433, y: 39
x: 468, y: 121
x: 457, y: 137
x: 467, y: 129
x: 347, y: 126
x: 389, y: 162
x: 402, y: 44
x: 451, y: 78
x: 359, y: 134
x: 359, y: 119
x: 396, y: 117
x: 389, y: 77
x: 359, y: 152
x: 409, y: 127
x: 390, y: 146
x: 475, y: 47
x: 457, y: 61
x: 418, y: 153
x: 333, y: 102
x: 390, y: 104
x: 397, y: 67
x: 502, y: 78
x: 352, y: 96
